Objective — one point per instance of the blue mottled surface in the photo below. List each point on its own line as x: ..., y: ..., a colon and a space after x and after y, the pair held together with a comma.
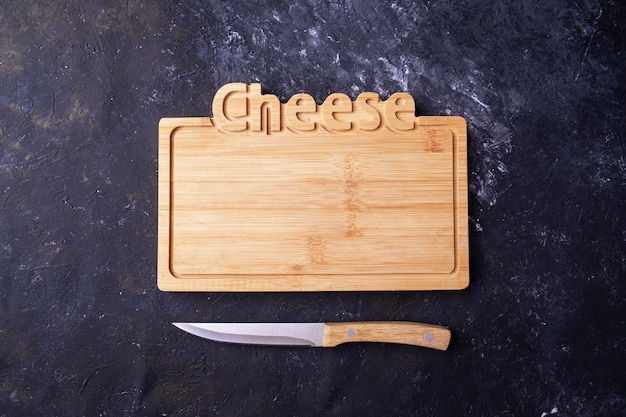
x: 540, y: 331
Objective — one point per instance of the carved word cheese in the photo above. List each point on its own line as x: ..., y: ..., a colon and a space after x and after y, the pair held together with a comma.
x: 239, y: 107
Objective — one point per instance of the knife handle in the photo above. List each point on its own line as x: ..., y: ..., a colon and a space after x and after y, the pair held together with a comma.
x: 408, y: 333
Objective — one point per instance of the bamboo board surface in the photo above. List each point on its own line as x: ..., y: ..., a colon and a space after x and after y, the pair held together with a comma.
x: 340, y: 196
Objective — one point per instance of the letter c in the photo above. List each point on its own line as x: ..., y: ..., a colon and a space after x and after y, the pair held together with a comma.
x: 230, y: 107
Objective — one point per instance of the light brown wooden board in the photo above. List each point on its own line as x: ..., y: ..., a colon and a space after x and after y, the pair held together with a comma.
x: 339, y: 196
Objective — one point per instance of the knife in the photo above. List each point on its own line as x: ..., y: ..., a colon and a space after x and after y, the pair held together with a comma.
x: 322, y: 334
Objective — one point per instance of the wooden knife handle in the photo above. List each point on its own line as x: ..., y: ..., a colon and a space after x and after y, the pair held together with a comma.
x: 408, y: 333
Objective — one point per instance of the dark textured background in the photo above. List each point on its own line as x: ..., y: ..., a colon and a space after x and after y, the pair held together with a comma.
x: 83, y: 328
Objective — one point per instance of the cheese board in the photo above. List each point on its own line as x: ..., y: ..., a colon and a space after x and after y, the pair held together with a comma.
x: 298, y: 196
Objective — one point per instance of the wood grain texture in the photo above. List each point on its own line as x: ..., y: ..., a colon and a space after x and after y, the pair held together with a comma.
x: 409, y: 333
x: 345, y: 195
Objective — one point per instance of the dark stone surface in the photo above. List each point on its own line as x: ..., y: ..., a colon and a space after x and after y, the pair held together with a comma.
x: 540, y: 331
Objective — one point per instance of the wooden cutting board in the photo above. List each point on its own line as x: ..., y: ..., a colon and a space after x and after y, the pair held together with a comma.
x: 298, y: 196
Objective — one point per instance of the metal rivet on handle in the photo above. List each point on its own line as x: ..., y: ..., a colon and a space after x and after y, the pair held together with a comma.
x: 350, y: 333
x: 428, y: 337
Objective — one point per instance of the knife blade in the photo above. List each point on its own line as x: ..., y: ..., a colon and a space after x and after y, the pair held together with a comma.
x: 322, y: 334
